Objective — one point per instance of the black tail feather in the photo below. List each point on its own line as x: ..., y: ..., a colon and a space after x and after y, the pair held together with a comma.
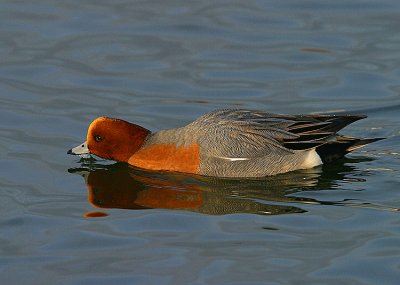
x: 323, y: 123
x: 320, y: 132
x: 336, y: 149
x: 339, y: 122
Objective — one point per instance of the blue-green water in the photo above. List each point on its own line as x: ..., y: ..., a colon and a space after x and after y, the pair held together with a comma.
x: 161, y: 64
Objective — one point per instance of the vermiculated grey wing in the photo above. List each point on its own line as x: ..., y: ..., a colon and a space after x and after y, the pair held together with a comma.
x: 249, y: 134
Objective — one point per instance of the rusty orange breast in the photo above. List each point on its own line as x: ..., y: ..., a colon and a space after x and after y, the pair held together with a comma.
x: 168, y: 157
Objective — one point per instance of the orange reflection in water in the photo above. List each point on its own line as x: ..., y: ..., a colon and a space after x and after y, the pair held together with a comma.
x: 124, y: 187
x: 95, y: 214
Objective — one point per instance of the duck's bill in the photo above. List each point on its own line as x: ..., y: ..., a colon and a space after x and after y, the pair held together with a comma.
x: 79, y: 150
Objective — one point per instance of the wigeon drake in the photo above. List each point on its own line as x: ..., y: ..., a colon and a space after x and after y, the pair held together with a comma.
x: 226, y: 143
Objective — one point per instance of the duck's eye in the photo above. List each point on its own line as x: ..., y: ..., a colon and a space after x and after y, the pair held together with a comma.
x: 97, y: 138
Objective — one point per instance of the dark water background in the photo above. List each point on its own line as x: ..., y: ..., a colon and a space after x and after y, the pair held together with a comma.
x: 161, y: 64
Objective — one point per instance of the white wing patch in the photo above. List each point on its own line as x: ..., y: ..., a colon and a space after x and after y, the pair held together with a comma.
x: 233, y: 158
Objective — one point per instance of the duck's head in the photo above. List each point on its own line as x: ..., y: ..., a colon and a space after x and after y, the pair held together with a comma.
x: 111, y: 138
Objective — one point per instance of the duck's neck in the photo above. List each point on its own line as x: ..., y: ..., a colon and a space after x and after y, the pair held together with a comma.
x: 134, y: 138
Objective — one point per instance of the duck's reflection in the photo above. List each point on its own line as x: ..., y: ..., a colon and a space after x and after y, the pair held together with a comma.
x: 120, y: 186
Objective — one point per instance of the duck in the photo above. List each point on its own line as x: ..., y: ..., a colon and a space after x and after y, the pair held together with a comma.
x: 234, y: 143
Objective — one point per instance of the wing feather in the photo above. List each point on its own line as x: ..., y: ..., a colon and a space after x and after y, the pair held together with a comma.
x: 242, y: 134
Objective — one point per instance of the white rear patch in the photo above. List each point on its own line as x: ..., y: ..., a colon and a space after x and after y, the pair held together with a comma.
x: 311, y: 159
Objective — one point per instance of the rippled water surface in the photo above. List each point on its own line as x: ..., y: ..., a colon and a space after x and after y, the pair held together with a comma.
x: 161, y: 64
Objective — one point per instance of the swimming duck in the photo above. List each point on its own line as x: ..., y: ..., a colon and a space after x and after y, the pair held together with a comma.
x: 226, y: 143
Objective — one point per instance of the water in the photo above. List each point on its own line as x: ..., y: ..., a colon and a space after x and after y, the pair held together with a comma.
x: 161, y: 64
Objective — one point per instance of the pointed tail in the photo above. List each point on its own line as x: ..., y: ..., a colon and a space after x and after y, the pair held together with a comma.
x: 336, y: 149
